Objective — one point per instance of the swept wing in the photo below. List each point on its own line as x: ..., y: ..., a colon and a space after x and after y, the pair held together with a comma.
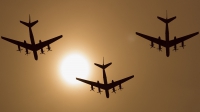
x: 181, y: 39
x: 47, y: 42
x: 99, y: 85
x: 153, y: 39
x: 22, y: 44
x: 116, y: 83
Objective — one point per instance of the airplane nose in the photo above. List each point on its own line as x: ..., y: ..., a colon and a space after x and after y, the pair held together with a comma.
x: 107, y: 96
x: 36, y: 57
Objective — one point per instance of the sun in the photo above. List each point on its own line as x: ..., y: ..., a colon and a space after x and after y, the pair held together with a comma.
x: 74, y: 65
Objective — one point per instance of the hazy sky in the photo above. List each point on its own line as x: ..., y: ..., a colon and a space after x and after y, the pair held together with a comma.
x: 97, y: 28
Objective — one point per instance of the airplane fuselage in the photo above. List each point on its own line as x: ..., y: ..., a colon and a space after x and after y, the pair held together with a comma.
x: 33, y: 43
x: 167, y: 40
x: 105, y: 83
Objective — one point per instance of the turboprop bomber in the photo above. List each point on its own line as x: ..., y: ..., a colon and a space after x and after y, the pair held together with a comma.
x: 106, y: 86
x: 33, y: 47
x: 167, y: 43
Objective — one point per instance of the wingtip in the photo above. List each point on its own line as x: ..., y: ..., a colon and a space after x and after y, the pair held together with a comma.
x: 131, y: 76
x: 137, y: 33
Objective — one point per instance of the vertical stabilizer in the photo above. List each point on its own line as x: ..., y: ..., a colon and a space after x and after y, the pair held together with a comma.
x: 166, y: 20
x: 103, y: 66
x: 103, y: 60
x: 29, y: 24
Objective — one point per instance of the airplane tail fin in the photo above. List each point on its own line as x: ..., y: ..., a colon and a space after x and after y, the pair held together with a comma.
x: 103, y: 66
x: 30, y: 24
x: 166, y: 20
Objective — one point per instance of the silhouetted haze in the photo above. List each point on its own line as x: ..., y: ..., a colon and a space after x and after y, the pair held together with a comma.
x: 96, y: 29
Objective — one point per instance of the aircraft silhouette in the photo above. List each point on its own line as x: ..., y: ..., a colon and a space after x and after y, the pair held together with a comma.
x: 167, y: 43
x: 34, y: 47
x: 105, y: 86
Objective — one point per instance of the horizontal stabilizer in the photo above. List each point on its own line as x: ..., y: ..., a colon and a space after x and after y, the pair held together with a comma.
x: 167, y: 20
x: 29, y: 24
x: 103, y: 66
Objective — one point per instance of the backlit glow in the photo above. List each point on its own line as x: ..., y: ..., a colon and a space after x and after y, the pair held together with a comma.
x: 74, y: 65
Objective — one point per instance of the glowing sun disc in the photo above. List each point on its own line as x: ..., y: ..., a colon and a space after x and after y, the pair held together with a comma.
x: 74, y: 65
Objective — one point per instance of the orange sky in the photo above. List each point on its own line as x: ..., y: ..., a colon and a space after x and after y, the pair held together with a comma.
x: 96, y: 29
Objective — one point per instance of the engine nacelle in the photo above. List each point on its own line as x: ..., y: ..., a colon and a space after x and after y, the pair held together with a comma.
x: 182, y: 44
x: 114, y: 91
x: 175, y: 48
x: 27, y: 52
x: 49, y: 48
x: 152, y: 44
x: 42, y: 51
x: 159, y: 46
x: 99, y: 89
x: 92, y: 88
x: 26, y: 49
x: 120, y: 87
x: 19, y: 49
